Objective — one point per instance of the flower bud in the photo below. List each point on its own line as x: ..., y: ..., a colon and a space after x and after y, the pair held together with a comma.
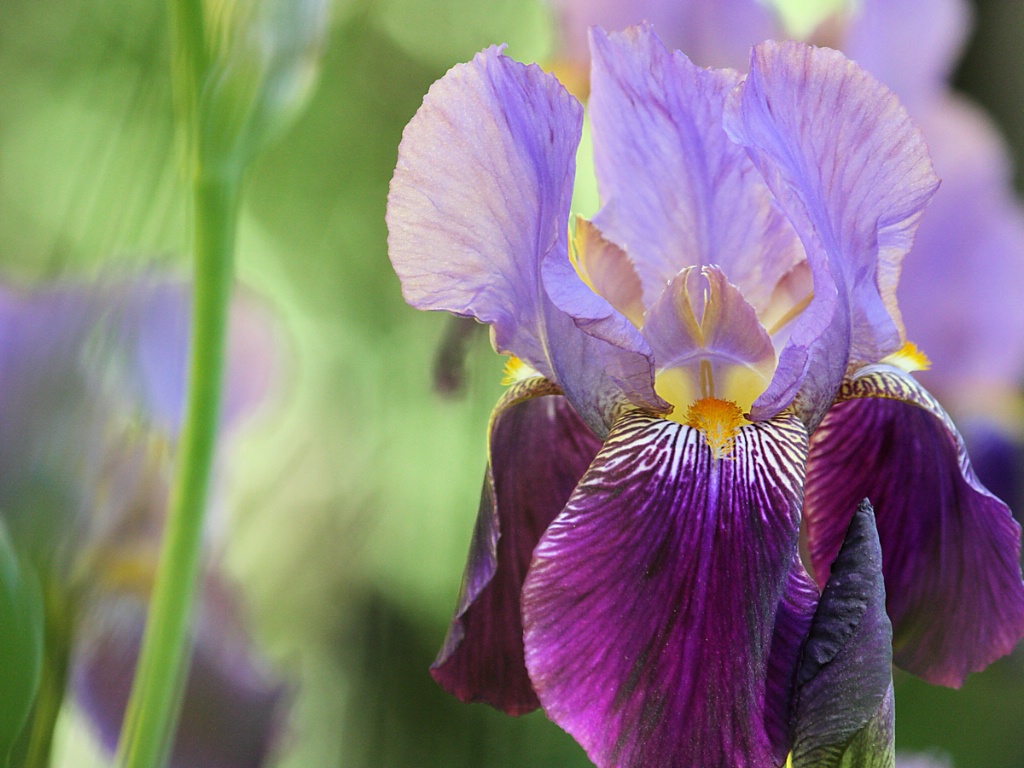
x: 264, y: 60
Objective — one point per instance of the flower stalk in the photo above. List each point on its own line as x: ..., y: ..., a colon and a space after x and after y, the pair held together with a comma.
x: 154, y: 705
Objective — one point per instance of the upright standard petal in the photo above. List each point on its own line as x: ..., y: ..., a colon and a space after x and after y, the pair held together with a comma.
x: 478, y: 225
x: 678, y: 192
x: 844, y: 696
x: 650, y: 605
x: 951, y: 549
x: 853, y: 175
x: 539, y: 450
x: 481, y: 194
x: 714, y: 33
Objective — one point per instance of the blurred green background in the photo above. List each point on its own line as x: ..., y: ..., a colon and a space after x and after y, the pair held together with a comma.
x: 353, y: 494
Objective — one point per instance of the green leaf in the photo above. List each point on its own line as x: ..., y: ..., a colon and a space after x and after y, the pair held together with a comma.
x: 21, y: 643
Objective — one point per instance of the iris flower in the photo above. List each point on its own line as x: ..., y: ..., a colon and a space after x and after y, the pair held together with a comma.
x: 634, y: 568
x: 958, y: 289
x: 91, y: 395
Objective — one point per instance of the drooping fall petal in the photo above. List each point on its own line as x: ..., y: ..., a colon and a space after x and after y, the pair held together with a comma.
x: 951, y: 550
x: 650, y: 605
x: 539, y: 450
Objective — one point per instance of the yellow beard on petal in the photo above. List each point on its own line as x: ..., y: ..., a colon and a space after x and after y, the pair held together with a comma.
x: 517, y: 370
x: 908, y: 358
x: 719, y: 420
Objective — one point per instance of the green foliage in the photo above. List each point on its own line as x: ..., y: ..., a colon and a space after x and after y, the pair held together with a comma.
x: 21, y: 643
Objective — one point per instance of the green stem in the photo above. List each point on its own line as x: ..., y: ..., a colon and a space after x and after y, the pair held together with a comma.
x: 60, y: 622
x: 154, y: 704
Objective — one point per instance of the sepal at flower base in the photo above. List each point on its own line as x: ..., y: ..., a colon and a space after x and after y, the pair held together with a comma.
x: 844, y: 697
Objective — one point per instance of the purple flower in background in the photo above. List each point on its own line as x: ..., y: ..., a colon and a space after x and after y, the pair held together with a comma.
x: 232, y: 708
x: 634, y: 568
x: 91, y: 387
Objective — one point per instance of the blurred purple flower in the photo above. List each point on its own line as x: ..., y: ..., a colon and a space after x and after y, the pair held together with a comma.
x: 232, y: 707
x: 91, y: 393
x: 634, y: 568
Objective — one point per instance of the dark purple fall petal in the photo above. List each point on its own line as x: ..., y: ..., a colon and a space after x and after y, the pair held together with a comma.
x: 650, y: 605
x: 951, y: 549
x: 844, y: 702
x: 478, y: 217
x: 678, y: 191
x: 998, y: 460
x: 852, y: 173
x: 539, y: 450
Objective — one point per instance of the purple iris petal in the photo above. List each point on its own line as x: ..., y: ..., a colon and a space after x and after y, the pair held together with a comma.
x: 877, y: 40
x: 844, y: 709
x: 153, y: 318
x: 853, y: 175
x: 478, y: 225
x: 998, y: 461
x: 232, y: 705
x: 792, y: 624
x: 51, y: 421
x: 951, y: 550
x: 967, y: 251
x: 539, y: 450
x: 712, y: 32
x: 481, y: 194
x: 724, y: 332
x: 678, y: 191
x: 78, y: 361
x: 650, y: 604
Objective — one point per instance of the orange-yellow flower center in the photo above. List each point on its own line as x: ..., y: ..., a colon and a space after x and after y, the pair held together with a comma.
x: 719, y: 421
